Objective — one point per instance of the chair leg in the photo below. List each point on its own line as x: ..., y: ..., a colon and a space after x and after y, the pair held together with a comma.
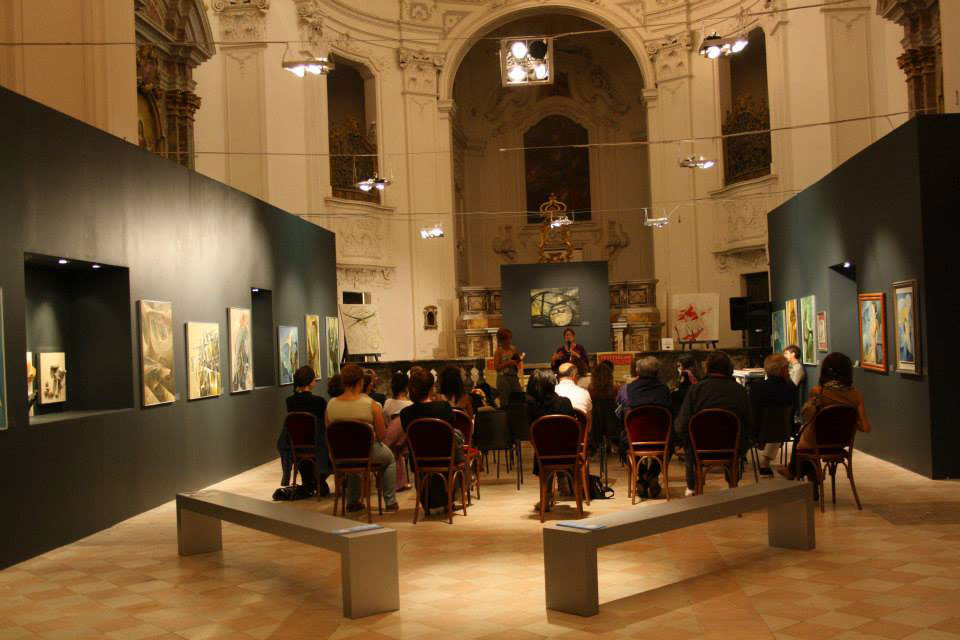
x: 477, y: 478
x: 379, y: 481
x: 833, y: 481
x: 418, y: 486
x: 578, y: 493
x: 666, y: 477
x: 632, y: 480
x: 543, y: 493
x: 463, y: 497
x: 584, y: 479
x: 756, y: 464
x: 853, y: 485
x: 366, y: 486
x: 819, y: 476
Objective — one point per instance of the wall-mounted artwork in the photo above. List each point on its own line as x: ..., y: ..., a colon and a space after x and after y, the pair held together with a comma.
x: 873, y: 331
x: 53, y: 377
x: 793, y: 323
x: 241, y: 350
x: 31, y: 383
x: 313, y: 344
x: 3, y: 377
x: 203, y: 360
x: 361, y: 328
x: 288, y: 341
x: 906, y: 326
x: 555, y: 307
x: 333, y: 346
x: 808, y: 329
x: 822, y: 342
x: 696, y: 317
x: 778, y: 331
x: 156, y: 352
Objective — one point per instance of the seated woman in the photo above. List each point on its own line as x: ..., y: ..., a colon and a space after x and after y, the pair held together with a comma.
x: 453, y: 390
x: 686, y: 377
x: 396, y: 439
x: 542, y: 398
x: 353, y: 404
x: 424, y: 406
x: 774, y: 393
x: 304, y: 380
x: 835, y: 388
x: 603, y: 395
x: 334, y: 386
x: 399, y: 395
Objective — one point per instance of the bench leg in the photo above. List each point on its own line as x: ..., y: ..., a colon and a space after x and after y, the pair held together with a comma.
x: 370, y: 574
x: 791, y: 525
x: 197, y: 533
x: 570, y: 572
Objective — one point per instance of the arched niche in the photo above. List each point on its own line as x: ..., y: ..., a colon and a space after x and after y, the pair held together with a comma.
x: 352, y: 123
x: 562, y: 171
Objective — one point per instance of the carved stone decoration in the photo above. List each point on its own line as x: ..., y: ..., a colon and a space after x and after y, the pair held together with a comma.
x: 310, y: 19
x: 601, y: 90
x: 452, y: 19
x: 241, y: 20
x: 922, y: 58
x: 503, y: 243
x: 671, y: 56
x: 356, y: 276
x: 360, y: 237
x: 746, y: 157
x: 616, y: 239
x: 173, y: 38
x: 420, y: 69
x: 752, y: 258
x: 418, y: 11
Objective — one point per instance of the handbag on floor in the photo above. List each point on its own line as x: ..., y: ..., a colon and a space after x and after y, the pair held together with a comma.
x: 599, y: 491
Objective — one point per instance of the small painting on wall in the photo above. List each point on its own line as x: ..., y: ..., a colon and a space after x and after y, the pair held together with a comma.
x: 156, y: 352
x: 555, y: 307
x: 203, y: 360
x: 793, y: 323
x: 808, y: 329
x: 906, y: 326
x: 696, y: 317
x: 333, y: 346
x: 822, y: 342
x: 31, y: 383
x: 778, y: 331
x: 53, y: 377
x: 288, y: 341
x: 873, y: 331
x: 313, y: 344
x: 241, y: 350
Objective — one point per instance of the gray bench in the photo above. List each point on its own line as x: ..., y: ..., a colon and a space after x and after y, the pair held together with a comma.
x: 570, y: 554
x: 368, y: 559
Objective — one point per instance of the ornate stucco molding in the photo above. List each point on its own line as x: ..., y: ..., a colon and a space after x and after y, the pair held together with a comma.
x: 241, y: 20
x: 747, y: 258
x: 310, y: 20
x: 356, y: 276
x: 671, y: 56
x: 420, y: 69
x: 922, y: 58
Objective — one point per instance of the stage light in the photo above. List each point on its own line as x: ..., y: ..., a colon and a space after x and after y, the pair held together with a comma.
x: 697, y: 162
x: 739, y: 44
x: 526, y: 61
x: 713, y: 46
x: 62, y: 261
x: 255, y: 290
x: 846, y: 265
x: 519, y: 49
x: 428, y: 233
x: 656, y: 223
x: 306, y: 63
x: 96, y: 266
x: 376, y: 182
x: 560, y: 222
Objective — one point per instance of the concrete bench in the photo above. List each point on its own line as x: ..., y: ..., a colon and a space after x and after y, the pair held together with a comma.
x: 570, y: 554
x: 368, y: 559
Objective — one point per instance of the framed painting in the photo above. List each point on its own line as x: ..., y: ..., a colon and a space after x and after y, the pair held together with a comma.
x: 240, y: 345
x: 808, y: 329
x: 333, y: 346
x: 872, y: 311
x: 361, y: 329
x: 778, y: 331
x: 53, y: 378
x: 288, y: 343
x: 555, y: 307
x: 793, y: 323
x: 696, y: 317
x: 3, y: 372
x: 906, y: 328
x: 156, y: 352
x: 203, y: 360
x: 31, y: 383
x: 313, y: 344
x: 822, y: 343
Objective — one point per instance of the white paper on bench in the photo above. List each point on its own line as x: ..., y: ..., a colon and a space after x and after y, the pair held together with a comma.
x: 357, y: 529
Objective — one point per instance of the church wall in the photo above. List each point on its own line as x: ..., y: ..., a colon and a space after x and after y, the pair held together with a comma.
x: 950, y: 34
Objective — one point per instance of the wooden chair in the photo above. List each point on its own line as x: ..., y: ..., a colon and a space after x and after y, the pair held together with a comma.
x: 584, y: 453
x: 715, y: 440
x: 301, y: 436
x: 556, y: 442
x: 433, y: 449
x: 350, y: 443
x: 774, y: 424
x: 834, y: 429
x: 649, y: 429
x: 464, y: 424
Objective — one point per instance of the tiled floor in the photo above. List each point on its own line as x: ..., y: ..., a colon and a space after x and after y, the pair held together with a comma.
x: 890, y: 571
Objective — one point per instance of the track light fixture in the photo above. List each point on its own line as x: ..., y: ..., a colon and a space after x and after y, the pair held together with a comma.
x: 697, y: 162
x: 656, y: 223
x: 713, y: 46
x: 376, y: 182
x: 526, y: 61
x: 562, y: 221
x: 436, y: 231
x: 306, y: 63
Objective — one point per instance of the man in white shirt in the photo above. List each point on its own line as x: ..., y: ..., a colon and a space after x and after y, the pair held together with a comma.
x: 567, y: 387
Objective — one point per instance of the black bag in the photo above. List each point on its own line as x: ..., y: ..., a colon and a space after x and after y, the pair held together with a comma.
x: 597, y: 489
x: 438, y: 493
x: 298, y: 492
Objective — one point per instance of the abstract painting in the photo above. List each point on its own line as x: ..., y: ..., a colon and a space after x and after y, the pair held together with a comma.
x: 3, y: 376
x: 288, y: 341
x: 313, y: 344
x: 361, y: 329
x: 822, y: 343
x: 156, y: 352
x: 778, y: 331
x: 793, y: 323
x: 906, y: 326
x: 695, y: 317
x: 53, y: 377
x: 203, y: 360
x: 873, y: 331
x: 31, y: 383
x: 333, y: 346
x: 241, y: 350
x: 555, y: 307
x: 808, y: 329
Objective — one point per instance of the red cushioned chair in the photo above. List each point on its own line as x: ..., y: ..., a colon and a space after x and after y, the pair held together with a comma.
x: 556, y: 442
x: 834, y: 429
x: 433, y: 449
x: 649, y: 430
x: 349, y: 443
x: 715, y: 439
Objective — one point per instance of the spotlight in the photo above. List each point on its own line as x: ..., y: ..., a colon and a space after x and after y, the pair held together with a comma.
x: 376, y: 182
x: 255, y: 290
x: 846, y: 265
x: 428, y: 233
x: 697, y: 162
x: 656, y: 223
x: 713, y: 46
x: 519, y: 49
x: 526, y: 61
x: 539, y: 49
x: 96, y: 266
x: 306, y: 63
x: 739, y: 44
x: 556, y: 223
x: 62, y: 261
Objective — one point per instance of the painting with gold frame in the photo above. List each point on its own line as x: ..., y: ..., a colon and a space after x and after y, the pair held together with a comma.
x: 871, y: 308
x: 906, y: 326
x: 793, y: 322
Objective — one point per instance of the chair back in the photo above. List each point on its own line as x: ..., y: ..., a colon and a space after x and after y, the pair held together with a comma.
x: 492, y: 431
x: 301, y: 430
x: 835, y: 427
x: 605, y: 421
x: 556, y: 439
x: 431, y: 442
x: 349, y: 443
x: 715, y: 434
x: 775, y: 424
x: 648, y: 428
x: 518, y: 420
x: 464, y: 424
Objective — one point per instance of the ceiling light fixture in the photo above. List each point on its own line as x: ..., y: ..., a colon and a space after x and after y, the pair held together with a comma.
x: 562, y: 221
x: 62, y: 261
x: 656, y: 223
x: 697, y: 162
x: 376, y: 182
x: 713, y: 46
x: 525, y: 61
x: 436, y: 231
x: 96, y: 266
x: 306, y: 63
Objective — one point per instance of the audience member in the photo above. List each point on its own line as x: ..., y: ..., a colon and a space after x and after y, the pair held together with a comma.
x: 602, y: 385
x: 304, y: 380
x: 353, y: 404
x: 603, y: 394
x: 798, y: 375
x: 508, y: 363
x: 717, y: 391
x: 399, y: 397
x: 453, y: 390
x: 542, y: 400
x: 482, y: 385
x: 567, y: 387
x: 773, y: 393
x: 424, y: 406
x: 396, y: 437
x: 646, y: 390
x: 686, y: 377
x: 370, y: 386
x: 334, y: 386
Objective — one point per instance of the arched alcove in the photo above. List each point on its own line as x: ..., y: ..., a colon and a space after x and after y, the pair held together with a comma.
x: 563, y: 170
x: 745, y: 106
x: 352, y: 126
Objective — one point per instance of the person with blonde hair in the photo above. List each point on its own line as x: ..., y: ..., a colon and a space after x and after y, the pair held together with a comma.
x: 773, y: 393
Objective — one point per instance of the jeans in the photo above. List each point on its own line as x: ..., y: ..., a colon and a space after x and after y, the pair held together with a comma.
x: 381, y: 456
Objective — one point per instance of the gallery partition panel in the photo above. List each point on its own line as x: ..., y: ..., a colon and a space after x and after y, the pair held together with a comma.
x: 74, y: 191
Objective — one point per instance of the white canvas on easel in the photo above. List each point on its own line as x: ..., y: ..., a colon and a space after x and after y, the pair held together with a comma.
x: 361, y: 327
x: 695, y: 317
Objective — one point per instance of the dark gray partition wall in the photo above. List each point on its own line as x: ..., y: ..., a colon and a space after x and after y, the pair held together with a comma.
x: 540, y: 343
x: 73, y: 191
x: 887, y: 211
